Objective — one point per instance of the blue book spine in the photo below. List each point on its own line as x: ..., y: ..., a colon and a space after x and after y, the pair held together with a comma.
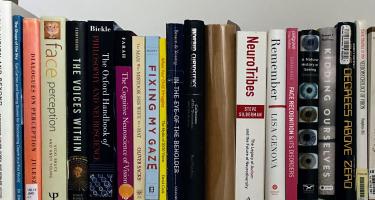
x: 152, y: 118
x: 175, y: 108
x: 17, y: 61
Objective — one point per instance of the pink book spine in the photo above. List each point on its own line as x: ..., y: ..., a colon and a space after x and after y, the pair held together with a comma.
x: 291, y: 176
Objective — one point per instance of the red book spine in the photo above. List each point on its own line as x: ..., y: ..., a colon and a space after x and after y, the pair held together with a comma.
x: 291, y: 146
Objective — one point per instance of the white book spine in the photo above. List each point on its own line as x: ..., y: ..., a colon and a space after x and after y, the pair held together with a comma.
x: 250, y: 117
x: 371, y: 113
x: 7, y: 148
x: 275, y: 118
x: 361, y: 67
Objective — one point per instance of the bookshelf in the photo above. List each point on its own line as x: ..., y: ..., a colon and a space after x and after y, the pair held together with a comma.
x: 148, y: 17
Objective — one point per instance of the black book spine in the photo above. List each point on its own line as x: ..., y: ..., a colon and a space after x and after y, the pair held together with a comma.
x: 195, y: 59
x: 346, y: 111
x: 77, y: 110
x: 175, y: 111
x: 102, y: 129
x: 308, y: 105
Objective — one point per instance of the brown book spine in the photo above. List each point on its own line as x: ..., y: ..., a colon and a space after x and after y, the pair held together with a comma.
x: 220, y: 113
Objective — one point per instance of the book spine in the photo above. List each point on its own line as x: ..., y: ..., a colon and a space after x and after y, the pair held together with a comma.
x: 139, y: 116
x: 291, y: 115
x: 175, y: 84
x: 32, y: 109
x: 54, y: 129
x: 327, y: 113
x: 275, y: 119
x: 124, y: 113
x: 102, y: 145
x: 308, y: 103
x: 18, y: 107
x: 346, y: 111
x: 77, y: 110
x: 152, y: 118
x: 250, y: 117
x: 163, y: 119
x: 195, y: 59
x: 361, y: 95
x: 371, y: 111
x: 7, y: 139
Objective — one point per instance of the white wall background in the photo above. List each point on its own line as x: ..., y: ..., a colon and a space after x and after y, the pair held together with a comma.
x: 146, y: 17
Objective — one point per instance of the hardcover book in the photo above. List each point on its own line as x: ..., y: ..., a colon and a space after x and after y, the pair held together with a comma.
x: 346, y: 111
x: 8, y: 168
x: 32, y: 109
x: 18, y: 104
x: 371, y: 111
x: 308, y: 108
x: 220, y: 112
x: 291, y: 115
x: 250, y: 115
x: 361, y: 96
x: 102, y: 129
x: 77, y: 110
x: 327, y: 113
x: 124, y: 113
x: 194, y: 90
x: 163, y: 119
x: 139, y: 112
x: 152, y: 117
x: 53, y: 91
x: 275, y: 118
x: 175, y: 113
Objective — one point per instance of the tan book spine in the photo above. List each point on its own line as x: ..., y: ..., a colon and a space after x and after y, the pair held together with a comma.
x: 139, y: 114
x: 220, y: 112
x: 54, y: 133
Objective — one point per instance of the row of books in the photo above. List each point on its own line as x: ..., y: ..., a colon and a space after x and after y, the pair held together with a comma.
x: 91, y: 111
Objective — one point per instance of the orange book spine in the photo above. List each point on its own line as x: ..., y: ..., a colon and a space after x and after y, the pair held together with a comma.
x: 32, y: 109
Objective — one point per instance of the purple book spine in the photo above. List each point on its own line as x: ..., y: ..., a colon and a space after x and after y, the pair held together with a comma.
x: 124, y: 112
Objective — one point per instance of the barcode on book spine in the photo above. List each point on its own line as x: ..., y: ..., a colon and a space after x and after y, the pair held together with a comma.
x: 372, y: 183
x: 345, y: 45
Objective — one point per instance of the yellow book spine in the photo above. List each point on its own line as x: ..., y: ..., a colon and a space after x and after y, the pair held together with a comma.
x: 163, y: 119
x: 139, y: 113
x: 53, y: 97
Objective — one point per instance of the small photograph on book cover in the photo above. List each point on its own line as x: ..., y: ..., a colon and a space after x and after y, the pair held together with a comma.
x: 52, y: 30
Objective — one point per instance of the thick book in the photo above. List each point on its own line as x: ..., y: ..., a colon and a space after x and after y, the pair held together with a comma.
x: 139, y: 112
x: 291, y: 114
x: 346, y: 111
x: 32, y: 109
x: 8, y: 177
x: 18, y: 104
x: 124, y: 114
x: 54, y: 115
x: 308, y: 103
x: 361, y: 183
x: 101, y: 111
x: 175, y: 112
x: 194, y: 94
x: 327, y: 113
x: 275, y: 117
x: 152, y: 117
x: 77, y: 123
x: 250, y: 114
x: 371, y: 110
x: 220, y: 112
x: 163, y: 119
